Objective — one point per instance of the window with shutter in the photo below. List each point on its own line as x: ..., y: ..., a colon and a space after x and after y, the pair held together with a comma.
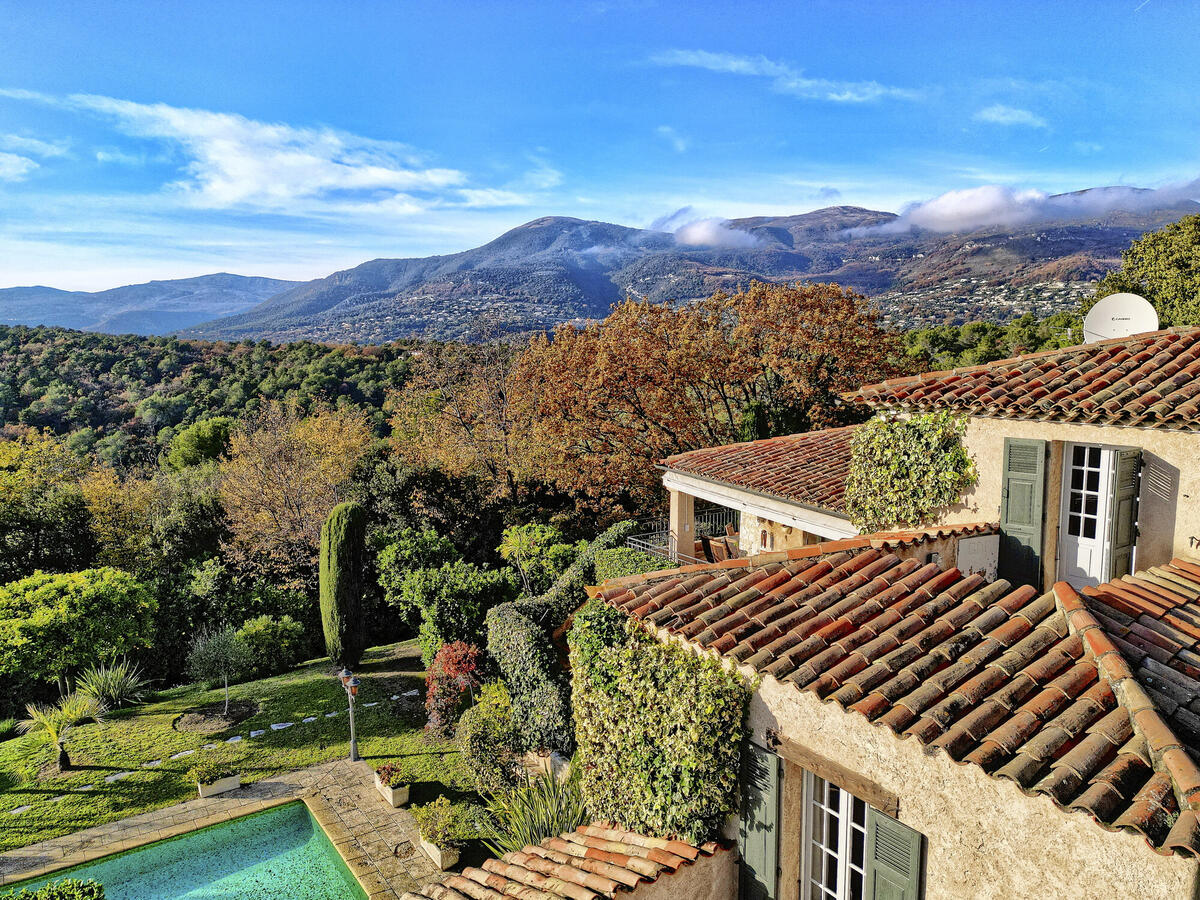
x: 758, y: 831
x: 1022, y: 511
x: 893, y: 863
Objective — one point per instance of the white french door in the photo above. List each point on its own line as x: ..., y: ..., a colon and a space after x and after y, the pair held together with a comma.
x: 1085, y: 518
x: 834, y: 842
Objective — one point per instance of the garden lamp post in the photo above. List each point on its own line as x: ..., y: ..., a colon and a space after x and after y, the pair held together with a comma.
x: 350, y: 683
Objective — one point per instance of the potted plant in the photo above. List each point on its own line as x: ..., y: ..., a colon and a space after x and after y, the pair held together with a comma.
x: 441, y: 827
x: 215, y: 778
x: 390, y: 782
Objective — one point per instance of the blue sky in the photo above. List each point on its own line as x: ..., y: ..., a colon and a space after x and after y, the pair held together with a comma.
x: 152, y: 140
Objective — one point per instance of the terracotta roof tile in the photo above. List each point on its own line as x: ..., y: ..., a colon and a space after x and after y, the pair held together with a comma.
x: 807, y: 468
x: 1150, y: 379
x: 1032, y: 688
x: 592, y: 862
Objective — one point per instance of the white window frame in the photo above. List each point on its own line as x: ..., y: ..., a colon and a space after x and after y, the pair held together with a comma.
x: 1102, y: 540
x: 846, y: 827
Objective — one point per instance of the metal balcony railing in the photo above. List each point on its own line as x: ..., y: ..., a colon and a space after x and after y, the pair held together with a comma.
x: 657, y: 540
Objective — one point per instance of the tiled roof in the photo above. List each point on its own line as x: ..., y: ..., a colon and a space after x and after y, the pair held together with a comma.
x: 1090, y: 701
x: 1150, y: 379
x: 807, y: 468
x: 591, y: 862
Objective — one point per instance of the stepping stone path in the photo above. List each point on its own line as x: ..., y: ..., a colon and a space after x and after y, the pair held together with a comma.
x: 395, y: 697
x: 235, y: 739
x: 58, y: 799
x: 154, y: 763
x: 116, y: 777
x: 255, y: 734
x: 86, y: 787
x: 331, y: 715
x: 308, y: 719
x: 182, y: 753
x: 376, y: 703
x: 279, y: 726
x: 19, y: 810
x: 412, y: 693
x: 209, y: 747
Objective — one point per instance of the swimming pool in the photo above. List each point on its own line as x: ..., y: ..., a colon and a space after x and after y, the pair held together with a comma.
x: 277, y: 854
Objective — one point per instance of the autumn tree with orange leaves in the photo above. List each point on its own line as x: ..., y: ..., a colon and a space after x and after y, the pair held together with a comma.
x: 591, y: 410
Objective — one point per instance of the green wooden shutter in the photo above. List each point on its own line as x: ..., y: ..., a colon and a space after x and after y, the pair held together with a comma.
x: 758, y: 832
x: 1022, y: 511
x: 1123, y: 528
x: 893, y: 859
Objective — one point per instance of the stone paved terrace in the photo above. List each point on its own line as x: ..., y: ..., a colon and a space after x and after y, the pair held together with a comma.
x: 378, y: 843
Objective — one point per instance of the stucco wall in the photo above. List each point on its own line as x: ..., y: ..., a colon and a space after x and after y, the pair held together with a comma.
x: 984, y: 838
x: 708, y: 878
x: 779, y: 537
x: 1169, y: 513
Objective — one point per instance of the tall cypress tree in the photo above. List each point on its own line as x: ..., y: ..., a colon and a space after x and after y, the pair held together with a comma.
x: 343, y: 551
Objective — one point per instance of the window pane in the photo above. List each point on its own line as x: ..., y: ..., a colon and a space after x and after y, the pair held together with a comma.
x: 856, y: 885
x: 831, y: 871
x: 1093, y: 456
x: 1076, y: 501
x: 1077, y: 456
x: 857, y: 847
x: 1073, y: 526
x: 1093, y: 481
x: 860, y: 812
x: 1089, y: 528
x: 1089, y: 504
x: 1077, y: 479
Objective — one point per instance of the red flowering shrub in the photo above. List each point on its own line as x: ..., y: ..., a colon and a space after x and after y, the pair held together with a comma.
x: 450, y: 683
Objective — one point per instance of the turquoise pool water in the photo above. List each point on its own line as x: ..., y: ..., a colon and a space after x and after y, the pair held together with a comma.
x: 278, y: 854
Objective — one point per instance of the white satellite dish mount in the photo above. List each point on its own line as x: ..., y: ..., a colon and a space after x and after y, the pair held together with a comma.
x: 1118, y: 316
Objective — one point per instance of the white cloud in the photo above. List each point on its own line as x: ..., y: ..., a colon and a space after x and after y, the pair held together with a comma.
x: 784, y: 78
x: 672, y: 137
x: 999, y: 114
x: 996, y: 205
x: 1087, y: 147
x: 32, y: 146
x: 14, y: 167
x: 542, y: 177
x: 693, y: 231
x: 481, y: 198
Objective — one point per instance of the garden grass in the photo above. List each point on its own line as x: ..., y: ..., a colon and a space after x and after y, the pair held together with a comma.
x: 390, y: 732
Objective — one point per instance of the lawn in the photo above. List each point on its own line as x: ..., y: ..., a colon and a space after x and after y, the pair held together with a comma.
x: 388, y: 732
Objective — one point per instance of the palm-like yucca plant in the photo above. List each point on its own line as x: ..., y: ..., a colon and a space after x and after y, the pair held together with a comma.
x: 541, y: 806
x: 119, y: 684
x: 52, y: 724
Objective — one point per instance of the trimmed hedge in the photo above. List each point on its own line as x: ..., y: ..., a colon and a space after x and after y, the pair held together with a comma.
x: 520, y: 643
x: 621, y: 562
x: 659, y: 729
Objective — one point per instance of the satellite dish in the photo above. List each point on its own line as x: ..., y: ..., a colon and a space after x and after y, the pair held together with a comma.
x: 1117, y: 316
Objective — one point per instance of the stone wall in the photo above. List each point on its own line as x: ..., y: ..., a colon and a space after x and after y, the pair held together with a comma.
x: 779, y: 537
x: 708, y: 878
x: 985, y: 839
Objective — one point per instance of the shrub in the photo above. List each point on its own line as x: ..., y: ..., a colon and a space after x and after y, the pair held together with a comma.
x: 487, y: 740
x: 660, y: 733
x: 274, y: 644
x: 218, y: 657
x: 540, y: 554
x: 66, y: 889
x: 120, y: 684
x: 391, y: 775
x: 453, y: 600
x: 201, y: 441
x: 621, y: 562
x: 442, y: 824
x: 409, y: 551
x: 904, y: 471
x: 208, y: 772
x: 342, y: 561
x: 539, y: 808
x: 450, y: 684
x: 518, y: 635
x: 596, y: 628
x: 53, y: 625
x: 8, y: 729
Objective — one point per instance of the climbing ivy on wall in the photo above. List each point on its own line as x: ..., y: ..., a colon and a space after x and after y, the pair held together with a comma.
x: 659, y: 729
x: 903, y: 471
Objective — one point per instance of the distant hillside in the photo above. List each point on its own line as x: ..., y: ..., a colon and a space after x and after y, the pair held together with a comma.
x: 157, y: 307
x: 557, y: 269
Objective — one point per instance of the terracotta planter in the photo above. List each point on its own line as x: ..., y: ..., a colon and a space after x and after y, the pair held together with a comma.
x: 396, y: 796
x: 221, y: 786
x: 442, y: 858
